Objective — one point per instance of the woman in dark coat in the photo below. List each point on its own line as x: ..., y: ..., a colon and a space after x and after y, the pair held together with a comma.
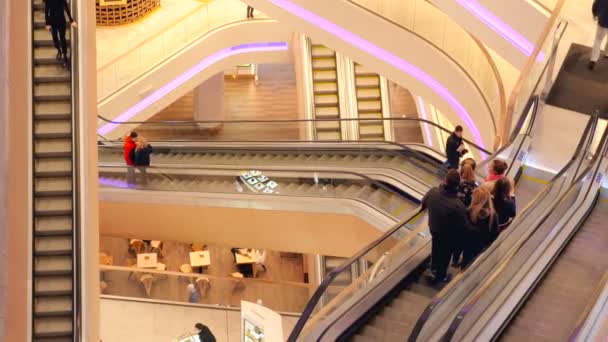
x: 55, y: 23
x: 482, y: 228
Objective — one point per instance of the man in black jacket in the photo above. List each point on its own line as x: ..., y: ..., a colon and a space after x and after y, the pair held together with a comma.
x: 454, y: 148
x: 447, y: 221
x: 204, y: 333
x: 56, y: 24
x: 600, y: 13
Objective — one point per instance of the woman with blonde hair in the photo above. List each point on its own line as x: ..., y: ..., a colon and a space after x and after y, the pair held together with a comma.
x: 142, y: 157
x: 482, y: 228
x: 468, y: 184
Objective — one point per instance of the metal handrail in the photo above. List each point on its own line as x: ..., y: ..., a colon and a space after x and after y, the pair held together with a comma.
x: 513, y: 252
x: 537, y: 199
x: 179, y: 122
x: 393, y: 153
x: 465, y: 71
x: 76, y: 217
x: 314, y: 299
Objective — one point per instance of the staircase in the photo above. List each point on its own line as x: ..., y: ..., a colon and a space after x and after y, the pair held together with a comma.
x: 325, y: 89
x: 369, y: 103
x: 53, y: 259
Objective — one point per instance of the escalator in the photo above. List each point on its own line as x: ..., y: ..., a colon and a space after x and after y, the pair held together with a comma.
x: 54, y: 274
x: 552, y: 311
x: 541, y: 286
x: 399, y: 303
x: 369, y: 103
x: 326, y: 93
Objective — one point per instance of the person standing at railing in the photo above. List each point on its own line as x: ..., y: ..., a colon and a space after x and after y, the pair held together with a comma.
x: 249, y: 12
x: 447, y: 222
x: 55, y: 23
x: 600, y: 14
x: 454, y: 148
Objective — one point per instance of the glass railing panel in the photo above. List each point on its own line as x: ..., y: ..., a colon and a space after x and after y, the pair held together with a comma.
x: 481, y: 270
x: 381, y: 260
x: 117, y: 71
x: 429, y: 22
x: 135, y: 282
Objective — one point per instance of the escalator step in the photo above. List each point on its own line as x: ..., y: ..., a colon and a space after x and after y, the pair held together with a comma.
x: 52, y: 98
x: 53, y: 174
x: 53, y: 213
x: 66, y: 252
x: 57, y: 232
x: 52, y: 79
x: 53, y: 135
x: 45, y: 314
x: 53, y: 293
x: 53, y: 273
x: 46, y: 155
x: 52, y: 117
x: 55, y: 193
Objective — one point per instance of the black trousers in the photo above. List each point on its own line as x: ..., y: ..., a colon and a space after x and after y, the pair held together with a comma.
x: 249, y: 12
x: 58, y: 33
x: 441, y: 253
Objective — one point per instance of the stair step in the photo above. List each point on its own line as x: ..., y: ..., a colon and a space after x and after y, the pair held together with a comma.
x: 53, y: 117
x: 53, y: 135
x: 52, y: 253
x: 43, y: 314
x: 52, y: 98
x: 52, y: 213
x: 57, y: 232
x: 52, y: 79
x: 53, y: 193
x: 53, y: 174
x: 53, y: 273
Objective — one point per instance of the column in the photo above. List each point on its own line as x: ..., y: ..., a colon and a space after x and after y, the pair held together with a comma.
x: 209, y: 102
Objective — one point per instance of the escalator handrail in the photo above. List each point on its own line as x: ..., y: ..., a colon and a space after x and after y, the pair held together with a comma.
x: 390, y: 152
x: 352, y: 173
x: 328, y: 279
x: 444, y: 293
x: 77, y: 292
x: 513, y: 251
x: 586, y: 314
x: 187, y: 122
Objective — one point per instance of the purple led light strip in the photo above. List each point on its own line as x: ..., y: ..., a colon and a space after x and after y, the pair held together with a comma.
x: 500, y: 27
x: 186, y: 76
x: 387, y: 57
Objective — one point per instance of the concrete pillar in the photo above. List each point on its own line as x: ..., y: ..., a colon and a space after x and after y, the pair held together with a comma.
x: 209, y: 101
x: 15, y: 170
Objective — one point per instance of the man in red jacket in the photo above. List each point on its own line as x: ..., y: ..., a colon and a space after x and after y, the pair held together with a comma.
x: 129, y: 153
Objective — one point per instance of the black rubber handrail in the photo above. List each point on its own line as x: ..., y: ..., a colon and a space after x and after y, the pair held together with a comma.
x: 591, y: 124
x: 188, y: 122
x: 479, y: 293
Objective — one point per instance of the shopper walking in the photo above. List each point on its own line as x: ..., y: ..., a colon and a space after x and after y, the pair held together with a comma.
x: 447, y: 220
x: 55, y: 23
x: 249, y: 12
x: 600, y: 14
x: 454, y: 148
